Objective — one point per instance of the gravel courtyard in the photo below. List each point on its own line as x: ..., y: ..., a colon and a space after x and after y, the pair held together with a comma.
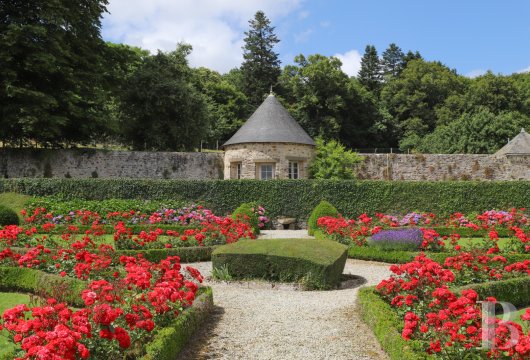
x: 256, y: 321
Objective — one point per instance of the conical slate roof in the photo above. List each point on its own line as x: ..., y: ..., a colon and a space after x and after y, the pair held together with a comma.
x: 270, y: 123
x: 519, y: 145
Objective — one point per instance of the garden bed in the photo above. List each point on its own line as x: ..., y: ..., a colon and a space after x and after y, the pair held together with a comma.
x: 317, y: 264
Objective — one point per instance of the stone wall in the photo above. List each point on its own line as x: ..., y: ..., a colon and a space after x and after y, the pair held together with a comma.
x: 252, y: 154
x: 443, y: 167
x: 86, y: 163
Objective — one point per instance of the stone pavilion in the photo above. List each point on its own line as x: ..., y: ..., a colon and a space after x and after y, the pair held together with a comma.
x: 270, y: 145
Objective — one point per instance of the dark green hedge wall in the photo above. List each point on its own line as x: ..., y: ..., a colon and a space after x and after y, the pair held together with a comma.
x: 294, y: 197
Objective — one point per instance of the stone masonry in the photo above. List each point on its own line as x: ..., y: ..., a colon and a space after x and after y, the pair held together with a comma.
x: 438, y: 167
x: 252, y: 154
x: 88, y: 163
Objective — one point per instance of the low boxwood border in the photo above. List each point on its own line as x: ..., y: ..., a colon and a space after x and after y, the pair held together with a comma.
x: 386, y: 325
x: 169, y: 341
x: 109, y: 229
x: 186, y: 254
x: 13, y: 279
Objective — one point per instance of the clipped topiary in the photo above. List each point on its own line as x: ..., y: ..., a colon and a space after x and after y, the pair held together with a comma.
x: 248, y: 211
x: 8, y: 216
x: 321, y: 210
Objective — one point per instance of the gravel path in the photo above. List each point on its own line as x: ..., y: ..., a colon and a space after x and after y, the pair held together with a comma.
x: 255, y: 321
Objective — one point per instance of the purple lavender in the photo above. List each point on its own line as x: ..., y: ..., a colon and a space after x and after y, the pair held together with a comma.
x: 408, y: 238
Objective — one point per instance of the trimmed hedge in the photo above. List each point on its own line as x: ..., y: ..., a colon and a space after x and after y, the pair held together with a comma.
x: 295, y: 198
x: 324, y: 208
x: 245, y: 209
x: 169, y: 341
x: 186, y: 254
x: 8, y: 216
x: 515, y: 291
x: 37, y: 282
x: 136, y: 229
x: 470, y: 233
x: 386, y: 325
x: 317, y: 264
x: 376, y: 254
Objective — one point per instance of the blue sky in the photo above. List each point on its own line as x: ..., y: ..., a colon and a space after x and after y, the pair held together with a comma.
x: 470, y: 35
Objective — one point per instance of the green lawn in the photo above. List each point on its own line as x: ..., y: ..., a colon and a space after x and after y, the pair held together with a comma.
x: 14, y: 201
x: 516, y: 317
x: 467, y: 242
x: 9, y: 300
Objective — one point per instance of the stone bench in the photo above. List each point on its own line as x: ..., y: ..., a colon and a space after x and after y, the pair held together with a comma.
x: 286, y: 223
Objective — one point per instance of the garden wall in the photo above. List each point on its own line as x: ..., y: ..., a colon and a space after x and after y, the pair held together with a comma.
x: 439, y: 167
x: 90, y: 163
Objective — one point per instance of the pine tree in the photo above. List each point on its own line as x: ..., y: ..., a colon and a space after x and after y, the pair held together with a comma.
x: 392, y: 62
x: 370, y: 72
x: 261, y: 66
x: 411, y: 56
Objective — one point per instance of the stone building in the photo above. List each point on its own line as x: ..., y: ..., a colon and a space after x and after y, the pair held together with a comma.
x: 270, y: 145
x: 517, y: 151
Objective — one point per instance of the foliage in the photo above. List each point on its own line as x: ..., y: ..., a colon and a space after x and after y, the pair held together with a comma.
x: 333, y: 161
x: 370, y: 74
x: 253, y: 214
x: 414, y: 96
x: 8, y: 216
x: 161, y: 109
x: 481, y: 131
x: 318, y: 264
x: 53, y: 59
x: 392, y: 62
x: 261, y: 65
x: 386, y: 325
x: 227, y: 106
x: 329, y: 104
x: 296, y: 198
x: 324, y: 208
x: 170, y: 340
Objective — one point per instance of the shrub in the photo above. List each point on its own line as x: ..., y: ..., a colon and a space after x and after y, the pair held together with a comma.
x: 296, y: 198
x: 398, y: 239
x: 333, y: 161
x: 186, y: 254
x: 8, y: 216
x: 386, y: 325
x: 324, y: 208
x: 317, y: 264
x: 248, y: 210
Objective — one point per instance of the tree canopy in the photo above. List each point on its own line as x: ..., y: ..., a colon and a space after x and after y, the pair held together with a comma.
x: 62, y: 85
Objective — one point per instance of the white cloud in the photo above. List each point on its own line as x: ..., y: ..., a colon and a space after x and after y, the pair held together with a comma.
x: 351, y: 62
x: 475, y: 73
x: 524, y: 70
x: 303, y: 14
x: 213, y: 27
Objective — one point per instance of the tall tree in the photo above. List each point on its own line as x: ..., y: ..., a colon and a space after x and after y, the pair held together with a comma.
x: 261, y: 65
x: 52, y: 56
x: 414, y: 97
x: 161, y: 109
x: 370, y: 72
x: 409, y: 56
x: 392, y: 62
x: 227, y: 106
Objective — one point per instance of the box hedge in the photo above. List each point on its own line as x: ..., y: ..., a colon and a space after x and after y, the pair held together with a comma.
x: 296, y: 198
x: 186, y: 254
x: 387, y: 326
x: 324, y: 208
x: 37, y: 282
x: 317, y: 264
